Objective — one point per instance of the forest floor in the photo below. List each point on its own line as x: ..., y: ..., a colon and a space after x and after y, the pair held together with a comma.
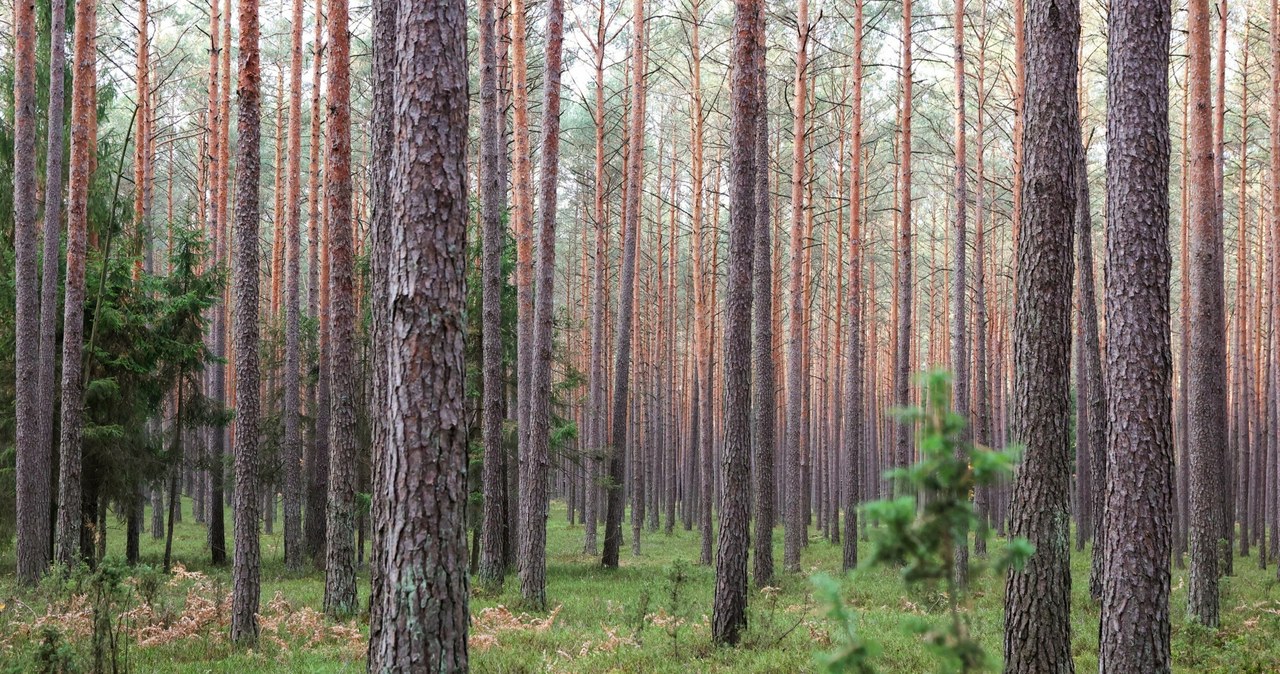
x: 648, y: 616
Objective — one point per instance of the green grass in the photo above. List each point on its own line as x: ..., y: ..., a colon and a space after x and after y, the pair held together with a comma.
x: 620, y: 620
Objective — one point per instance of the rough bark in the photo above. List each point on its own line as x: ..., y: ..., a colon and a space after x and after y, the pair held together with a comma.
x: 1037, y: 597
x: 52, y: 259
x: 216, y: 436
x: 423, y: 622
x: 626, y: 300
x: 32, y: 474
x: 959, y: 274
x: 1091, y: 405
x: 83, y: 119
x: 1134, y: 634
x: 596, y: 384
x: 292, y: 447
x: 316, y: 464
x: 1206, y: 360
x: 903, y: 280
x: 492, y: 202
x: 729, y: 612
x: 981, y: 398
x: 340, y: 510
x: 522, y: 226
x: 795, y: 520
x: 533, y: 481
x: 854, y: 431
x: 765, y: 391
x: 246, y: 567
x: 381, y: 142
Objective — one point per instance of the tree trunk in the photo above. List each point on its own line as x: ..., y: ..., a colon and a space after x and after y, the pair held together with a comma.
x: 1206, y: 360
x: 216, y: 213
x: 381, y: 143
x: 959, y: 278
x: 492, y: 202
x: 904, y: 281
x: 626, y: 300
x: 32, y: 474
x: 765, y: 388
x: 797, y: 495
x: 340, y: 511
x: 522, y: 225
x: 292, y: 448
x: 317, y: 459
x: 854, y: 430
x: 83, y: 120
x: 246, y: 567
x: 1037, y: 597
x: 729, y: 613
x: 981, y: 423
x: 49, y: 278
x: 1136, y: 530
x: 533, y: 507
x: 423, y: 622
x: 1091, y: 400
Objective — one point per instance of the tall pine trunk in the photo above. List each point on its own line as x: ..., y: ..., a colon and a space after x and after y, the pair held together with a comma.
x: 340, y: 511
x: 422, y: 624
x: 626, y: 300
x: 729, y: 611
x: 246, y: 568
x: 292, y: 447
x: 1134, y: 634
x: 83, y: 120
x: 1037, y: 597
x: 32, y: 474
x: 492, y: 564
x: 534, y: 504
x: 1206, y: 360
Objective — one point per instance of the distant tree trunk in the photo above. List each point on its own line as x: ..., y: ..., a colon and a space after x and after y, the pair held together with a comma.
x: 1230, y: 458
x: 596, y: 384
x: 904, y: 281
x: 216, y: 376
x: 1037, y: 597
x: 765, y: 387
x: 246, y: 567
x: 423, y: 623
x: 1091, y: 399
x: 49, y: 279
x: 959, y: 278
x: 32, y: 474
x: 1245, y: 442
x: 1134, y: 634
x: 626, y: 300
x: 340, y: 512
x: 854, y: 404
x: 83, y: 120
x: 797, y: 495
x: 522, y: 226
x: 492, y: 564
x: 1207, y: 363
x: 317, y: 459
x: 533, y: 507
x: 703, y: 441
x: 292, y: 449
x: 981, y: 399
x: 729, y: 613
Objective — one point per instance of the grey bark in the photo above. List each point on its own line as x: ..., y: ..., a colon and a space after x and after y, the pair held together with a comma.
x: 1134, y: 633
x: 1037, y: 634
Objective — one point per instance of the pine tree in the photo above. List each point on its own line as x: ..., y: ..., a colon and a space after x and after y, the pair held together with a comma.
x: 1135, y: 631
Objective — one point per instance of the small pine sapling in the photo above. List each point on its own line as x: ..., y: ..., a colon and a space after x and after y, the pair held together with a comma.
x: 919, y: 533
